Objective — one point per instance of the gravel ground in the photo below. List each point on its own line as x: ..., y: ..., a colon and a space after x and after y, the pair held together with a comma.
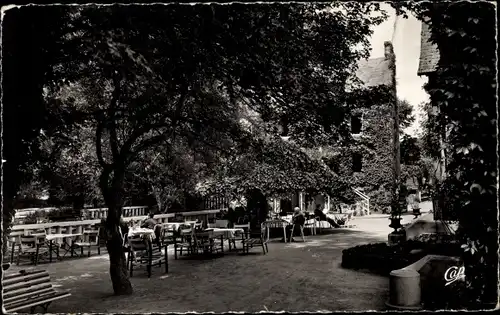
x: 292, y: 277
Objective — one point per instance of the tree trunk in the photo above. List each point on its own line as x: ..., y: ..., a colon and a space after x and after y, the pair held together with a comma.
x: 117, y: 260
x: 113, y: 195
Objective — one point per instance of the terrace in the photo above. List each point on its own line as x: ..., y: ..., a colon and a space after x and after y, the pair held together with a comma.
x: 291, y: 277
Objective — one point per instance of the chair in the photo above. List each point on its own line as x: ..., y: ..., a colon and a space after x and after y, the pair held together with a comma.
x: 32, y: 247
x: 170, y: 236
x: 157, y: 230
x: 187, y: 240
x: 257, y: 238
x: 143, y: 253
x: 246, y: 232
x: 311, y: 225
x: 89, y: 239
x: 206, y: 244
x: 243, y: 220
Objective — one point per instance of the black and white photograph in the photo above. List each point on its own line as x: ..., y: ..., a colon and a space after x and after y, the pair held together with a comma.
x: 249, y: 157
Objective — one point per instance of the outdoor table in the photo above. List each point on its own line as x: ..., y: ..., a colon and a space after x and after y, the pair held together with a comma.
x: 211, y: 234
x: 230, y: 234
x: 67, y: 248
x: 222, y: 233
x: 278, y: 224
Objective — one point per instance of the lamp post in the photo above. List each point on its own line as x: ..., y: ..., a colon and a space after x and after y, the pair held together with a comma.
x: 395, y: 202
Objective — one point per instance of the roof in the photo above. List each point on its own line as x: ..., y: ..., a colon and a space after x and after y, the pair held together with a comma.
x: 375, y: 72
x: 429, y: 53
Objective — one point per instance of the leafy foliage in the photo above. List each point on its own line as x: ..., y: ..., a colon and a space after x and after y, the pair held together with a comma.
x: 464, y: 89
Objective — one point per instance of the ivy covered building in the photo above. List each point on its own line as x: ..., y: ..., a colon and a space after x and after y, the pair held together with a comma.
x: 368, y: 162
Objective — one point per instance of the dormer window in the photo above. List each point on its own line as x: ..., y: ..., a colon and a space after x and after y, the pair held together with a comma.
x: 356, y: 124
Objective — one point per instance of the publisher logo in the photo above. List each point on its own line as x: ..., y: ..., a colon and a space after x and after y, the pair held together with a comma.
x: 454, y: 274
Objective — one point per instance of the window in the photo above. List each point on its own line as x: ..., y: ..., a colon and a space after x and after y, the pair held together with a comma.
x: 357, y: 162
x: 284, y: 127
x: 356, y: 124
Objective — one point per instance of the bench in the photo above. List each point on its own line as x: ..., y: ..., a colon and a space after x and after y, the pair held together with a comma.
x: 28, y: 290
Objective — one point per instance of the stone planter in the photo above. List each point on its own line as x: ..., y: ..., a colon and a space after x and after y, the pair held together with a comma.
x: 395, y: 223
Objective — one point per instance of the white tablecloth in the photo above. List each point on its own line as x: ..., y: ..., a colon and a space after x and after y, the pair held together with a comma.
x: 140, y: 231
x: 60, y: 236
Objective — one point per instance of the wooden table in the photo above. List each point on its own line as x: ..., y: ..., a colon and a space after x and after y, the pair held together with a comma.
x: 227, y: 233
x: 67, y: 247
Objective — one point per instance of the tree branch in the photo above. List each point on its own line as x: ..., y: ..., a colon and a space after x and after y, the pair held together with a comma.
x: 98, y: 136
x: 148, y: 143
x: 178, y: 110
x: 104, y: 183
x: 112, y: 118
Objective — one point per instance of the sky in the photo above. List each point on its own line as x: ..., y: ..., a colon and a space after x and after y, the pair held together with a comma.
x: 406, y: 42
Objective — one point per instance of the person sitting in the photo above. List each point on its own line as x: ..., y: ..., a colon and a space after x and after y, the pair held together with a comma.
x: 150, y: 222
x: 298, y: 220
x: 298, y: 217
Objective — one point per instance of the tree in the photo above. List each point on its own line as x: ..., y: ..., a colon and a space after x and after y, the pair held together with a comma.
x: 406, y: 116
x: 410, y: 150
x: 196, y: 64
x: 69, y: 166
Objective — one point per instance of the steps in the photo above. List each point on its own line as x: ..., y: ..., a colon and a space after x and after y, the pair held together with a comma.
x: 364, y: 204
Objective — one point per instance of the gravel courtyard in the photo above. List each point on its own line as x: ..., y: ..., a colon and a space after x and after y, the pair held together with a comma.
x: 292, y: 277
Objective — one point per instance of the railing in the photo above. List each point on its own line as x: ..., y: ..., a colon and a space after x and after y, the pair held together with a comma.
x: 215, y: 203
x: 365, y: 202
x: 101, y: 213
x: 94, y: 213
x: 69, y: 227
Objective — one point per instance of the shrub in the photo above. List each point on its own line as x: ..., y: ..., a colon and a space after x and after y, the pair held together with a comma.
x: 65, y: 214
x: 382, y: 258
